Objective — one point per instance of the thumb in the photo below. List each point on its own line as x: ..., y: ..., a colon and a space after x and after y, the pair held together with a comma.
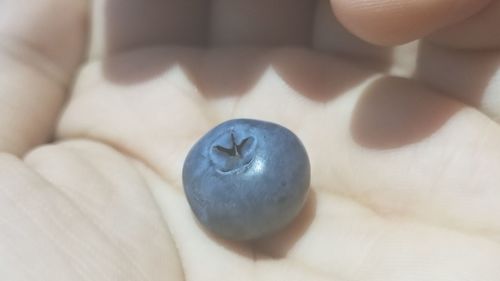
x: 41, y: 45
x: 390, y: 22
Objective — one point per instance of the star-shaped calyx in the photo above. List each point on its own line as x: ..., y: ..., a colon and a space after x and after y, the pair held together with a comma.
x: 232, y: 151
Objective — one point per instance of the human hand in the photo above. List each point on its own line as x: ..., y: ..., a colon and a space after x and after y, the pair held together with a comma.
x: 404, y: 182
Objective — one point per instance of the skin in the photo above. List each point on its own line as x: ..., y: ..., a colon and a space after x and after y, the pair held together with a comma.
x: 404, y: 171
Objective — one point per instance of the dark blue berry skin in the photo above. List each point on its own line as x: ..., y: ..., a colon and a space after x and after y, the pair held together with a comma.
x: 246, y: 178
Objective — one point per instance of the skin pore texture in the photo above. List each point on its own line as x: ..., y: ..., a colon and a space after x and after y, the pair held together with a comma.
x: 102, y: 100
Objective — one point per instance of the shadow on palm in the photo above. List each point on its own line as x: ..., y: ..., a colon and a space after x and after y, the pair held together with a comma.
x: 390, y: 114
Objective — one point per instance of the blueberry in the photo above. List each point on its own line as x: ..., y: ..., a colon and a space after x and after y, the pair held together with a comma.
x: 246, y: 178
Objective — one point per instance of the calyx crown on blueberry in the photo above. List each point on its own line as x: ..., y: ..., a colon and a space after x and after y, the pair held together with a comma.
x: 228, y: 155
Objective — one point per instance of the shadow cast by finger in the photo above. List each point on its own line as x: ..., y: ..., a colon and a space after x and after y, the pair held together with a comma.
x: 278, y: 245
x: 394, y: 112
x: 461, y: 74
x: 145, y: 40
x: 275, y: 245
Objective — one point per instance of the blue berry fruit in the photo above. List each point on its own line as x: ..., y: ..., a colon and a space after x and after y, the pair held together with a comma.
x: 246, y: 178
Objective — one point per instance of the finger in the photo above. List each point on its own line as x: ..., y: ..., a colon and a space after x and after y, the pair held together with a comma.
x: 394, y: 22
x: 36, y: 66
x: 35, y: 28
x: 113, y: 198
x: 125, y: 25
x: 119, y: 25
x: 244, y: 22
x: 394, y: 145
x: 235, y: 23
x: 478, y: 32
x: 330, y: 36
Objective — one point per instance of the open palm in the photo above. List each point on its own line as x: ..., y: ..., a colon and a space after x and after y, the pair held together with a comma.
x: 403, y: 142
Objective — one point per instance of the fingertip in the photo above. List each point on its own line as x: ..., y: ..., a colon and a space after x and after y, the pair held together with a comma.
x: 393, y: 22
